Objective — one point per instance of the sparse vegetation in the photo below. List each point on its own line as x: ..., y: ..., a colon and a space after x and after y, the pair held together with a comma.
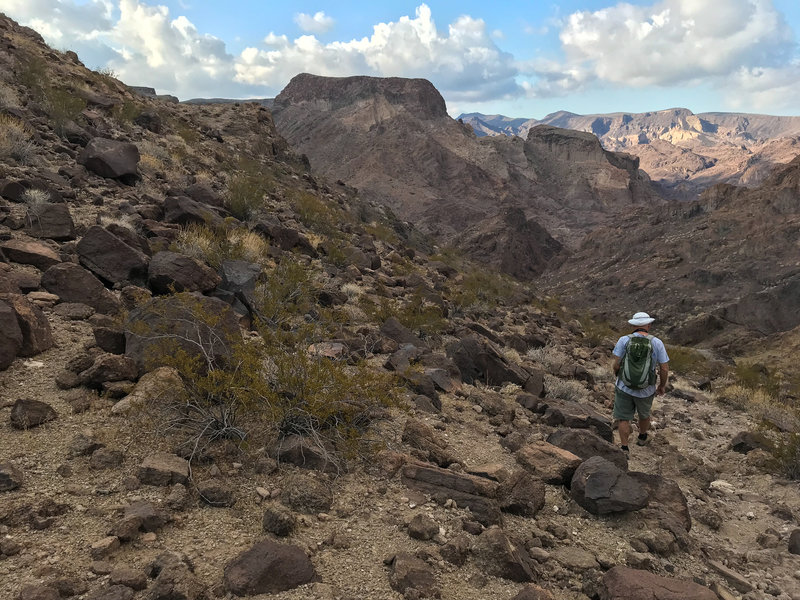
x: 688, y: 361
x: 564, y: 389
x: 245, y: 196
x: 16, y: 140
x: 482, y: 288
x: 550, y: 357
x: 214, y: 245
x: 63, y: 106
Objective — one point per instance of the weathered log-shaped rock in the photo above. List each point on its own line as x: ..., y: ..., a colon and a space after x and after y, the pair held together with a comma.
x: 624, y: 583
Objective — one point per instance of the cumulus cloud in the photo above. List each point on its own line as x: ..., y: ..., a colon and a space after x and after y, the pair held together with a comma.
x: 666, y: 43
x: 464, y: 63
x: 319, y: 22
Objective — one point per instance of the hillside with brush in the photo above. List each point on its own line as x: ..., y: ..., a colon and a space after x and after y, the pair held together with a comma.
x: 223, y: 374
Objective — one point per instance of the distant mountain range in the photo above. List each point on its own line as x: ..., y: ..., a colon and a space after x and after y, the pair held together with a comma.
x: 683, y: 152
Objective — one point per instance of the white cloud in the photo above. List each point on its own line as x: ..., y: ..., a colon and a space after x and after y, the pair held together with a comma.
x: 667, y: 43
x: 463, y: 63
x: 319, y: 22
x: 768, y: 89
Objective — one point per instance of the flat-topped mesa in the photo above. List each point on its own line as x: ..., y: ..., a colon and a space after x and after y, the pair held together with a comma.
x: 415, y: 95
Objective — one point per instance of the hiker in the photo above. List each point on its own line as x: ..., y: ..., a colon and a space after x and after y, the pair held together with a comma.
x: 637, y: 358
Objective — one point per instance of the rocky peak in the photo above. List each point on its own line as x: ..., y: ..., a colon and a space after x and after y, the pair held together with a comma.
x: 332, y: 93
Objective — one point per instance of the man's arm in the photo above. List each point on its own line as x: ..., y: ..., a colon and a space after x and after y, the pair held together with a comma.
x: 663, y: 371
x: 615, y: 366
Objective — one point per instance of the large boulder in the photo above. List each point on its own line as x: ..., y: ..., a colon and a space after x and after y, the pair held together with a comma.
x: 111, y: 159
x: 395, y: 330
x: 665, y: 497
x: 624, y: 583
x: 187, y: 321
x: 268, y: 568
x: 549, y: 463
x: 111, y: 259
x: 185, y: 211
x: 10, y: 335
x: 521, y: 494
x: 602, y: 488
x: 476, y: 493
x: 51, y: 221
x: 73, y: 283
x: 586, y: 443
x: 576, y: 416
x: 172, y: 272
x: 36, y: 333
x: 30, y: 252
x: 479, y: 360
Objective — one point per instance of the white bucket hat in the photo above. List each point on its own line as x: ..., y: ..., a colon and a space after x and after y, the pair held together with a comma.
x: 641, y: 318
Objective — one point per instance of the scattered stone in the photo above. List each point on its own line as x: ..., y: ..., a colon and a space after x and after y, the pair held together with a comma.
x: 521, y: 494
x: 457, y: 550
x: 794, y: 542
x: 109, y: 367
x: 268, y: 568
x: 74, y: 311
x: 106, y: 458
x: 51, y: 221
x: 185, y: 211
x: 624, y: 583
x: 739, y: 582
x: 422, y: 437
x: 28, y: 413
x: 422, y: 527
x: 410, y: 573
x: 278, y: 520
x: 38, y: 591
x: 36, y: 334
x: 161, y: 385
x: 747, y: 441
x: 110, y: 258
x: 574, y: 558
x: 497, y: 555
x: 395, y: 330
x: 83, y: 444
x: 131, y: 578
x: 215, y: 492
x: 307, y: 494
x: 10, y: 478
x: 174, y: 579
x: 106, y: 546
x: 533, y: 592
x: 602, y: 488
x: 306, y: 453
x: 163, y: 469
x: 10, y: 335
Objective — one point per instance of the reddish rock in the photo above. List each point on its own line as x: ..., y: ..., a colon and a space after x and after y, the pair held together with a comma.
x: 36, y: 333
x: 111, y: 259
x: 10, y: 335
x: 624, y: 583
x: 268, y: 568
x: 549, y: 463
x: 411, y: 573
x: 163, y: 469
x: 496, y: 554
x: 10, y: 477
x: 51, y: 221
x: 29, y: 252
x: 73, y: 283
x: 109, y: 367
x: 111, y: 159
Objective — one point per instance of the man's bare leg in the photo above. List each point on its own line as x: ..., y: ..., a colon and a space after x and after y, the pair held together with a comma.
x: 624, y: 430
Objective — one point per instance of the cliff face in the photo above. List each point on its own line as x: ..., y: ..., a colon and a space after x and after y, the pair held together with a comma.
x: 392, y: 139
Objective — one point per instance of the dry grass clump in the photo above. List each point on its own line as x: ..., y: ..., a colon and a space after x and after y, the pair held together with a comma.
x: 8, y: 97
x: 15, y: 140
x: 550, y: 357
x: 564, y: 389
x: 352, y: 290
x: 216, y: 245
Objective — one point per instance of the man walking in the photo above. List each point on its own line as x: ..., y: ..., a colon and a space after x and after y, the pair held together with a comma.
x: 637, y: 359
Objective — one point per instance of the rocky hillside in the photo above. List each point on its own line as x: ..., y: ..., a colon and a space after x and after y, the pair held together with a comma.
x: 223, y: 376
x: 392, y: 139
x: 722, y: 270
x: 682, y: 152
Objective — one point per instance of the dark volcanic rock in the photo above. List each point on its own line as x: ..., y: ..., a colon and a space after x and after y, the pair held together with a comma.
x: 112, y: 159
x: 478, y: 360
x: 602, y: 488
x: 31, y: 413
x: 109, y: 367
x: 585, y: 444
x: 170, y: 271
x: 10, y: 335
x: 185, y: 211
x: 268, y: 568
x: 36, y: 333
x: 395, y: 330
x: 496, y: 554
x: 111, y: 259
x: 73, y: 283
x: 624, y: 583
x: 521, y: 494
x: 278, y: 520
x: 307, y: 494
x: 410, y: 574
x: 576, y: 416
x: 29, y: 252
x: 10, y: 477
x: 51, y: 221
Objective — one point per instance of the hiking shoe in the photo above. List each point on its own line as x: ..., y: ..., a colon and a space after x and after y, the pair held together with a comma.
x: 643, y: 439
x: 626, y: 451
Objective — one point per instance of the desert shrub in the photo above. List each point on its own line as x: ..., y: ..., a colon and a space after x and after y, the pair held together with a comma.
x: 381, y: 232
x: 126, y: 112
x: 786, y: 455
x: 32, y: 74
x: 245, y: 196
x: 15, y: 140
x: 352, y: 290
x: 214, y: 245
x: 564, y: 389
x: 688, y: 361
x: 597, y: 332
x: 482, y: 287
x: 287, y: 292
x: 8, y: 97
x: 63, y: 106
x: 185, y: 131
x: 318, y: 215
x: 35, y: 200
x: 757, y: 376
x: 550, y: 357
x: 265, y: 387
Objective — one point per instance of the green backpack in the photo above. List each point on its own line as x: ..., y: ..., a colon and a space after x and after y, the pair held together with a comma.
x: 637, y: 371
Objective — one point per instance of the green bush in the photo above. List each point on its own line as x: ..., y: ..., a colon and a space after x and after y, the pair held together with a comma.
x: 688, y: 361
x: 246, y: 195
x: 63, y: 106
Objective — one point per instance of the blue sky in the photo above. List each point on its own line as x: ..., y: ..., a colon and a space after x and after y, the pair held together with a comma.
x: 522, y: 59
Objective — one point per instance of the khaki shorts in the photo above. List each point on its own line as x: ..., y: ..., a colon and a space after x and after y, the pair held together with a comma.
x: 625, y: 405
